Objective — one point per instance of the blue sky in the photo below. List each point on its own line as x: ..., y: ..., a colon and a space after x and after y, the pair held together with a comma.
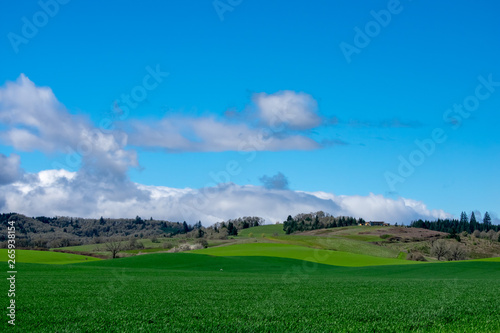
x: 225, y: 76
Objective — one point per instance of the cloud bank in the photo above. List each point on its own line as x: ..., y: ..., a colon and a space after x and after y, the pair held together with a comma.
x: 60, y: 192
x: 31, y: 118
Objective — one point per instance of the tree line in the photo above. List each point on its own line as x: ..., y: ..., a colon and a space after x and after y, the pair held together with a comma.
x: 60, y: 231
x: 454, y: 226
x: 318, y: 220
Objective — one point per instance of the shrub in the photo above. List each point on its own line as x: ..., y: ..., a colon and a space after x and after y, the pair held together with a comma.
x: 134, y: 244
x: 250, y: 235
x: 167, y: 245
x: 186, y: 247
x: 415, y: 256
x: 203, y: 242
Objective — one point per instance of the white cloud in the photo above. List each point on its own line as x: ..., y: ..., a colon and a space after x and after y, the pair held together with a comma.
x: 36, y: 120
x: 59, y: 192
x: 274, y: 125
x: 10, y: 168
x: 297, y: 111
x: 207, y: 134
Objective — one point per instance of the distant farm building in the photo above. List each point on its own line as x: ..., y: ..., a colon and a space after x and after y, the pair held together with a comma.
x: 375, y: 223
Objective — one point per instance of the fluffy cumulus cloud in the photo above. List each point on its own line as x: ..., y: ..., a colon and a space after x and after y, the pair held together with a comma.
x: 276, y: 122
x: 34, y: 119
x: 298, y: 111
x: 64, y: 193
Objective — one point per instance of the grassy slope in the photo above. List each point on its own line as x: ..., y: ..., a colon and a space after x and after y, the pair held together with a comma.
x: 336, y: 258
x: 267, y: 230
x: 148, y: 244
x: 346, y: 239
x: 46, y: 257
x: 338, y: 244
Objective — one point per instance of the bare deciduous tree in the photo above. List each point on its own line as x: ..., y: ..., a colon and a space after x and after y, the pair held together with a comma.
x: 456, y: 251
x: 114, y: 246
x: 439, y: 249
x: 491, y: 235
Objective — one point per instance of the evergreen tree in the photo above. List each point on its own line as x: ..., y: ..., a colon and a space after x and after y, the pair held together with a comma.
x: 473, y: 218
x: 473, y: 222
x: 231, y: 230
x: 463, y: 218
x: 487, y: 220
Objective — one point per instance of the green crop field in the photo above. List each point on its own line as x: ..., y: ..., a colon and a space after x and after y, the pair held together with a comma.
x: 46, y: 257
x: 337, y: 258
x: 187, y: 292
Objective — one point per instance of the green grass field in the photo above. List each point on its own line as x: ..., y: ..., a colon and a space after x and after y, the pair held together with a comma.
x: 46, y: 257
x: 187, y: 292
x: 337, y: 258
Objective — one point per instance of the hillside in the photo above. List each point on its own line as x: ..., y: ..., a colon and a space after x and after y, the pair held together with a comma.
x: 380, y: 242
x: 386, y: 242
